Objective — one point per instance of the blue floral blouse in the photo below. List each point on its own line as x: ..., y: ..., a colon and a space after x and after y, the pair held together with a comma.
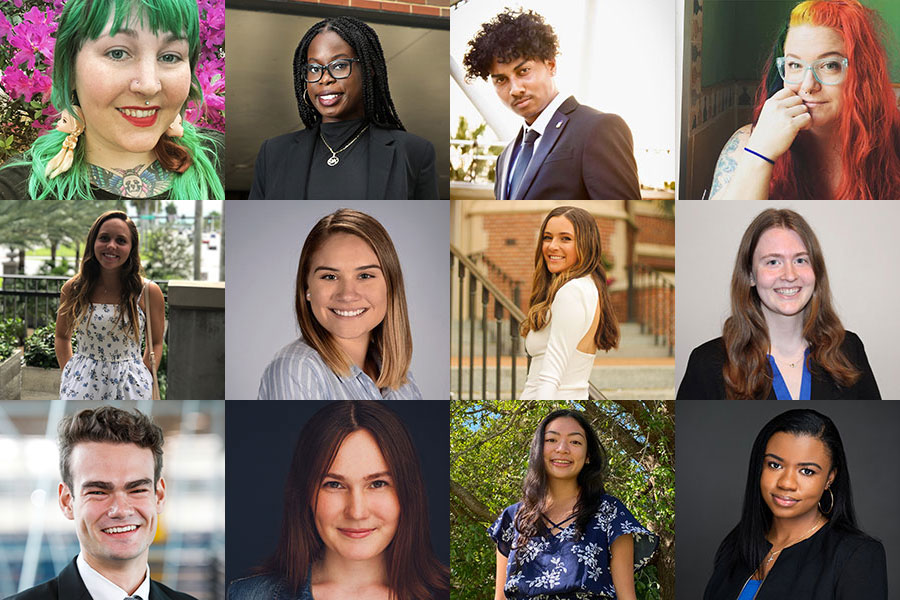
x: 566, y: 565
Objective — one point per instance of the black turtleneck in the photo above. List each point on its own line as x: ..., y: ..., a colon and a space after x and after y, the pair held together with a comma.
x: 348, y: 178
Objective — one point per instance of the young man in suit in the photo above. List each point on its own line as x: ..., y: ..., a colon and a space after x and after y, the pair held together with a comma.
x: 564, y: 150
x: 110, y: 462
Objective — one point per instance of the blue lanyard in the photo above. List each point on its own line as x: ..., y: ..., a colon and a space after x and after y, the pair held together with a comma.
x: 781, y: 390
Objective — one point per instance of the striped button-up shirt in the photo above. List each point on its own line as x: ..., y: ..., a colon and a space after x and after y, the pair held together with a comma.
x: 298, y: 373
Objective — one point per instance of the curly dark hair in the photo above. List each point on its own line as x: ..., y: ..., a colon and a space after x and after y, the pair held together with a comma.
x: 508, y: 36
x: 364, y: 41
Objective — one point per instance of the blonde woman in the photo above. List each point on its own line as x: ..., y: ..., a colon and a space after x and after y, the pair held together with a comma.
x: 351, y: 308
x: 106, y: 303
x: 570, y: 315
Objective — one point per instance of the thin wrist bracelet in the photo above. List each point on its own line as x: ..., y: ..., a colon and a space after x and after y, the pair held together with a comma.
x: 765, y: 158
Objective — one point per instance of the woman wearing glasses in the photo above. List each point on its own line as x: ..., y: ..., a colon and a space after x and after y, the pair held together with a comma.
x: 826, y: 123
x: 354, y: 145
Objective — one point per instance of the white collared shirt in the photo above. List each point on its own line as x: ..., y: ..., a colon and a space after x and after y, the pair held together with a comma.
x: 101, y: 588
x: 540, y: 124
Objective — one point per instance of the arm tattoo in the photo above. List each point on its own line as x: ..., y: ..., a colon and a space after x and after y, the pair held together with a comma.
x: 726, y: 165
x: 139, y: 182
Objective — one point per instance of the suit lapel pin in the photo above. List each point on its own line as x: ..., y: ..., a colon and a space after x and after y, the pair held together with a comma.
x: 558, y: 124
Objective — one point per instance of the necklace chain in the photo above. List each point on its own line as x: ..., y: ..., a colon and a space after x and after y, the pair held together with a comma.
x: 773, y: 553
x: 334, y: 158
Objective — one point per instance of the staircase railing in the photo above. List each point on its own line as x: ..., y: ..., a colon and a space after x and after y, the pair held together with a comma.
x: 655, y: 305
x: 466, y: 279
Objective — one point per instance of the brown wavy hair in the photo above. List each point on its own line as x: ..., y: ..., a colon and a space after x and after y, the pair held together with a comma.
x: 78, y: 305
x: 414, y: 572
x: 545, y: 284
x: 745, y: 334
x: 391, y: 338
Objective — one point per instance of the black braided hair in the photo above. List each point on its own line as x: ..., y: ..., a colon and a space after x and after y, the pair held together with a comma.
x: 364, y: 41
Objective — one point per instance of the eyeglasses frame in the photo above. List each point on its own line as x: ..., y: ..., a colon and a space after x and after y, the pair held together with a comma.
x: 779, y: 63
x: 328, y: 68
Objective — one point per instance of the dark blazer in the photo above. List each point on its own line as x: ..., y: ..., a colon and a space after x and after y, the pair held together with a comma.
x: 584, y: 155
x: 68, y: 585
x: 830, y: 565
x: 401, y: 166
x: 703, y: 378
x: 265, y: 587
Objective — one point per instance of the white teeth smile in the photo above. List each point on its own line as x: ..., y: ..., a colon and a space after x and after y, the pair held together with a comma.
x: 557, y: 258
x: 788, y: 291
x: 139, y: 114
x: 349, y: 313
x: 125, y: 529
x: 328, y: 97
x: 111, y: 255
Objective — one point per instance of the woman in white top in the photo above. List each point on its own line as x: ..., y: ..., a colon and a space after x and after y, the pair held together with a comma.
x: 569, y: 314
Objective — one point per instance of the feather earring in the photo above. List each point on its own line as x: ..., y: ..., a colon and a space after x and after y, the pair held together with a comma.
x: 73, y: 124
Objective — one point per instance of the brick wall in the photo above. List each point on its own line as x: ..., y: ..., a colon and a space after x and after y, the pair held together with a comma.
x: 655, y: 230
x: 435, y: 8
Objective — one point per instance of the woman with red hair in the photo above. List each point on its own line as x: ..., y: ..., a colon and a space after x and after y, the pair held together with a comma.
x: 826, y: 122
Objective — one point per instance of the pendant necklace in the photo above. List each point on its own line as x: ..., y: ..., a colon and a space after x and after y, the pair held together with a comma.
x: 334, y: 158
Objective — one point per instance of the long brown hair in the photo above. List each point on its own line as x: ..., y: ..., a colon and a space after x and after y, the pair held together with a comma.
x: 545, y: 284
x: 78, y: 303
x: 745, y: 334
x: 391, y: 338
x: 414, y: 573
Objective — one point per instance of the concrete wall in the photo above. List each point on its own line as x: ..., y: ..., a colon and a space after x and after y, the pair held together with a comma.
x: 196, y: 367
x: 11, y: 377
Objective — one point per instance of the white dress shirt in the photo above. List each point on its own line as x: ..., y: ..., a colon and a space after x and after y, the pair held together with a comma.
x: 101, y: 588
x: 540, y: 124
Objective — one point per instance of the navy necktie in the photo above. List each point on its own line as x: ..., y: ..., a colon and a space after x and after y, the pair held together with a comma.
x: 522, y: 160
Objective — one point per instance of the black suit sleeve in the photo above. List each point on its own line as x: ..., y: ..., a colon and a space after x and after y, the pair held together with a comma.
x: 703, y: 376
x: 426, y: 181
x: 258, y: 190
x: 609, y: 167
x: 863, y: 573
x: 866, y: 388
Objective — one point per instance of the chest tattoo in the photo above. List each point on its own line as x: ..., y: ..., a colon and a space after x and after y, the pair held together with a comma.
x: 138, y: 182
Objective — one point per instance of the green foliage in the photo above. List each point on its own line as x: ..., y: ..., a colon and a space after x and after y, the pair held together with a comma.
x: 168, y: 255
x: 489, y: 457
x: 11, y: 331
x: 64, y: 268
x: 40, y: 350
x: 472, y: 162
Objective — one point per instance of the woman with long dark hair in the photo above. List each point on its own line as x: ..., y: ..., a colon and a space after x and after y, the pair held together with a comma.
x: 567, y: 537
x: 106, y: 304
x: 355, y: 515
x: 354, y: 145
x: 784, y: 339
x: 798, y: 537
x: 570, y: 315
x: 826, y: 123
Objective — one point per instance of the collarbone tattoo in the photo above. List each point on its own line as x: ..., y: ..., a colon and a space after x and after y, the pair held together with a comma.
x: 141, y: 181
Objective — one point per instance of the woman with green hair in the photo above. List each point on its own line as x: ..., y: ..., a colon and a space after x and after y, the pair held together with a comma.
x: 123, y: 73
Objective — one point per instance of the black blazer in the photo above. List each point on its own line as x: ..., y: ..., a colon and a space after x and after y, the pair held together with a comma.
x: 68, y: 585
x: 584, y: 154
x: 703, y: 378
x: 401, y: 166
x: 830, y: 565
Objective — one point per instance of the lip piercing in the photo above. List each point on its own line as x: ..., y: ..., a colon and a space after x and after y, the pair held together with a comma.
x: 146, y: 103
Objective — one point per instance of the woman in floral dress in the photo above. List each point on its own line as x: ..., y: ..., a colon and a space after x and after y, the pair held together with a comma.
x: 105, y: 304
x: 567, y: 538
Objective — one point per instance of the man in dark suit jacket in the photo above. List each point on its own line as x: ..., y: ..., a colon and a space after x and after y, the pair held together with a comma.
x: 111, y: 464
x: 564, y: 150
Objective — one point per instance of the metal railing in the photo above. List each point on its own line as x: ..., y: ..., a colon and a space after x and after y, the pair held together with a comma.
x: 489, y: 313
x: 35, y: 298
x: 495, y: 272
x: 655, y: 305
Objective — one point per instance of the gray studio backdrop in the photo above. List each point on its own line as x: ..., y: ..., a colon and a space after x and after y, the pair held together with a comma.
x: 712, y: 450
x: 858, y: 239
x: 264, y: 239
